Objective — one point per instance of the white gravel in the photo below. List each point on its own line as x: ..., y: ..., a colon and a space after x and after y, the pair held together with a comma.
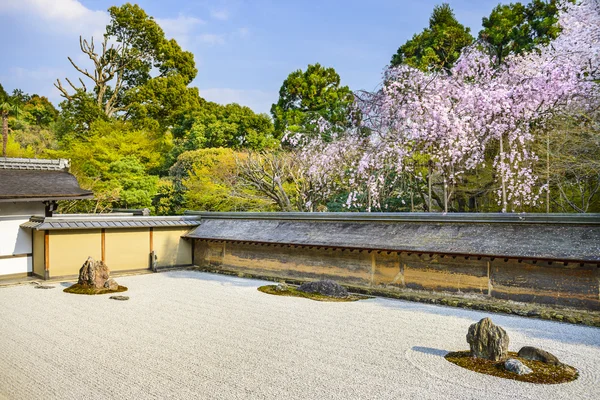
x: 201, y: 336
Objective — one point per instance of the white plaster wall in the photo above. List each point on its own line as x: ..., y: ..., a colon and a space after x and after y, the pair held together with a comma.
x: 13, y: 239
x: 15, y: 265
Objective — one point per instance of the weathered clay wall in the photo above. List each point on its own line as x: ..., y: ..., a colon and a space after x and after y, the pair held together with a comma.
x: 572, y: 284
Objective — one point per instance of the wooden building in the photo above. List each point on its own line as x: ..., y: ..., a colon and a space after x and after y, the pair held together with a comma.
x: 29, y: 187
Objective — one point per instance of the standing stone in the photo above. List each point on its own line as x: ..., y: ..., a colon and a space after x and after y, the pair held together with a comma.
x: 517, y: 367
x: 488, y: 340
x: 93, y: 274
x: 533, y: 353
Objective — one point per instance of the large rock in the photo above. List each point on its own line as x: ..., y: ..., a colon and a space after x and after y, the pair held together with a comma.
x: 93, y: 274
x: 517, y: 367
x: 488, y: 340
x: 326, y: 288
x: 533, y: 353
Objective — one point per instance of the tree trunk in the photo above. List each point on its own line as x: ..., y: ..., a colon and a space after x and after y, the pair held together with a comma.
x: 4, y: 132
x: 429, y: 184
x: 548, y: 173
x: 504, y: 205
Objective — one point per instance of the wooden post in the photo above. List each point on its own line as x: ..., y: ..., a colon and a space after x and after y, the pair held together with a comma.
x: 46, y: 255
x: 103, y: 244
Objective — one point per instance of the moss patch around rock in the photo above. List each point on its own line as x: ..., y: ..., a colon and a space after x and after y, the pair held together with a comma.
x: 81, y: 289
x: 290, y: 291
x: 542, y: 373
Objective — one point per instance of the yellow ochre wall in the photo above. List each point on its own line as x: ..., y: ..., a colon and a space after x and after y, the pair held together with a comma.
x: 170, y: 248
x: 38, y: 253
x: 68, y: 250
x: 124, y: 249
x: 127, y: 249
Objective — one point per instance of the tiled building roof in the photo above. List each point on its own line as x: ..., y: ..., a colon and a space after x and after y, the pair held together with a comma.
x: 108, y: 221
x: 565, y: 238
x: 23, y: 179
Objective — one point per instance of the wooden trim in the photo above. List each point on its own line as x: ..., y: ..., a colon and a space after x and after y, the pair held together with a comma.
x: 103, y: 244
x: 46, y: 255
x: 151, y: 240
x: 17, y: 255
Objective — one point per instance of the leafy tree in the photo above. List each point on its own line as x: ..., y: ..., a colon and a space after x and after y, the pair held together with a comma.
x: 40, y: 111
x: 211, y: 182
x: 137, y: 73
x: 7, y: 108
x: 231, y: 125
x: 306, y: 97
x: 438, y: 46
x: 516, y: 28
x: 116, y: 161
x: 3, y: 95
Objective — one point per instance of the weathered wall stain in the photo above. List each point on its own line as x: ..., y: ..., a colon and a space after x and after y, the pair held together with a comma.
x: 571, y: 284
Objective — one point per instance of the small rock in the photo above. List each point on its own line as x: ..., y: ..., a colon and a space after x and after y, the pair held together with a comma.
x: 44, y: 287
x: 121, y: 298
x: 533, y: 353
x: 111, y: 284
x: 326, y: 288
x: 281, y: 287
x: 517, y: 367
x: 487, y: 340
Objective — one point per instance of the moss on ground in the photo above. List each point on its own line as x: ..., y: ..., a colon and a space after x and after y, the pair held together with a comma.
x: 290, y: 291
x: 542, y: 373
x: 81, y: 289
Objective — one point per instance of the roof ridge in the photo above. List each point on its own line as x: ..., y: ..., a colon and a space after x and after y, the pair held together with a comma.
x: 36, y: 164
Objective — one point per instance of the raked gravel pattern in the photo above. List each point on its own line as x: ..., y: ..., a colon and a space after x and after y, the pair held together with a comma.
x: 193, y: 335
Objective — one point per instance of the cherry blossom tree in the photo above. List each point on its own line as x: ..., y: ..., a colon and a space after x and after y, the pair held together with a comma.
x: 454, y: 119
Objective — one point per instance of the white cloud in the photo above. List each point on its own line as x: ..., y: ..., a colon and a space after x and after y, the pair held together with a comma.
x: 221, y: 15
x: 258, y: 100
x: 211, y: 38
x: 180, y: 28
x: 62, y: 16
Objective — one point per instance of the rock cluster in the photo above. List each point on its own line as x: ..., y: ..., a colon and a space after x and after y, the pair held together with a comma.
x: 325, y: 287
x: 487, y: 340
x: 95, y: 274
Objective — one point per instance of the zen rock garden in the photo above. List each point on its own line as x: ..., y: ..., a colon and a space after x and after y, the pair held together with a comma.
x: 489, y: 354
x: 94, y: 278
x: 323, y: 290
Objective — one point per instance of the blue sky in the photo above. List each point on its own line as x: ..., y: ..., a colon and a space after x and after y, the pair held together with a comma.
x: 243, y: 49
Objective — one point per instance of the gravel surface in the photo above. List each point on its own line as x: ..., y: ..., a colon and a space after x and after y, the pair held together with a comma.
x: 195, y: 335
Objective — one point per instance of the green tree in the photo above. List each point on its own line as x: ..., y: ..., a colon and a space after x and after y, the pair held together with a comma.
x: 39, y: 111
x: 516, y: 28
x: 231, y: 125
x: 438, y: 46
x: 3, y: 95
x: 210, y: 181
x: 7, y: 108
x: 137, y: 74
x: 307, y: 96
x: 117, y: 162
